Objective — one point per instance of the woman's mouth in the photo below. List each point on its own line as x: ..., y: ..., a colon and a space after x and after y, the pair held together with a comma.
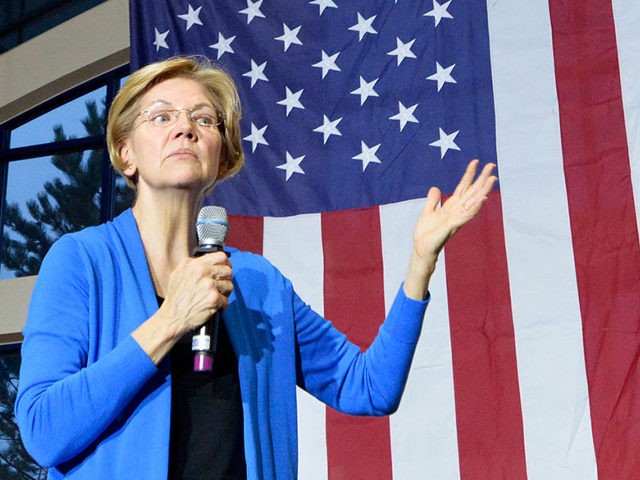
x: 183, y: 152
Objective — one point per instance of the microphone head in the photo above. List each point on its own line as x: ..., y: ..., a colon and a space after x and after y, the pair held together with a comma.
x: 212, y: 226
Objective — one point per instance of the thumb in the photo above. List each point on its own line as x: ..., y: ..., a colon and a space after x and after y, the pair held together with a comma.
x: 433, y: 199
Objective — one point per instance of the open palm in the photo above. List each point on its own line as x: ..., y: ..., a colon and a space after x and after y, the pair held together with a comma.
x: 437, y: 225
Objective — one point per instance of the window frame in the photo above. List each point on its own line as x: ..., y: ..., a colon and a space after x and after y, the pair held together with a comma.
x: 111, y: 80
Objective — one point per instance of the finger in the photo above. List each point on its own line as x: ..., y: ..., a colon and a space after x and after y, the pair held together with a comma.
x: 484, y: 175
x: 214, y: 258
x: 213, y: 265
x: 485, y: 178
x: 467, y: 178
x: 481, y: 187
x: 220, y: 300
x: 220, y: 272
x: 472, y: 205
x: 225, y: 287
x: 215, y: 295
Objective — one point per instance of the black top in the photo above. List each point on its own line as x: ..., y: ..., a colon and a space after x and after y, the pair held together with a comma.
x: 207, y: 441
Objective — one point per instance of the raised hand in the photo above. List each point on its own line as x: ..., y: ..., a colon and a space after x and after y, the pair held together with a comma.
x: 436, y: 226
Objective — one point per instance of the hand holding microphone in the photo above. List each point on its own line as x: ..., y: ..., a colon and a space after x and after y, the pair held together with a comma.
x: 197, y: 288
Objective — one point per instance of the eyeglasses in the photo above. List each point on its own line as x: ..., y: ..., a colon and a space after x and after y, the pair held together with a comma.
x: 204, y: 117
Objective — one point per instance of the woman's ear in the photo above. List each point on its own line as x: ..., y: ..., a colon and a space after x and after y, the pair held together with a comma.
x: 126, y: 155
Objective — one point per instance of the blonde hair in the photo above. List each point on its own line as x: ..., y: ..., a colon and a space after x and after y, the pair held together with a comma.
x: 220, y: 87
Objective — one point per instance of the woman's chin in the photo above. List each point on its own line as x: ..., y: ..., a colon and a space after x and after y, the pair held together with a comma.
x: 197, y: 185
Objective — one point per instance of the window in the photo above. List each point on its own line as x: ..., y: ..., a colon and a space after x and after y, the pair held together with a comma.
x: 55, y: 177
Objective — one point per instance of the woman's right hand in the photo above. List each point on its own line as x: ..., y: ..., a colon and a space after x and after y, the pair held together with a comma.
x: 198, y: 288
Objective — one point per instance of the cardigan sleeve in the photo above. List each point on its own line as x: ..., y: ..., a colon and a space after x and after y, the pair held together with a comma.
x: 65, y: 400
x: 335, y: 370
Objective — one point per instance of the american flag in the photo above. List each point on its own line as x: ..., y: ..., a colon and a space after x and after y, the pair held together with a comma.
x: 528, y: 362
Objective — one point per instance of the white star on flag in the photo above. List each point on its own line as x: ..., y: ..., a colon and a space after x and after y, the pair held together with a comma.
x: 368, y: 155
x: 160, y: 41
x: 402, y: 50
x: 289, y: 37
x: 439, y: 11
x: 223, y: 45
x: 256, y: 73
x: 256, y: 137
x: 405, y: 115
x: 366, y: 90
x: 252, y: 11
x: 446, y: 142
x: 327, y: 63
x: 328, y: 128
x: 442, y: 75
x: 324, y: 4
x: 291, y: 166
x: 192, y: 17
x: 363, y: 26
x: 292, y: 100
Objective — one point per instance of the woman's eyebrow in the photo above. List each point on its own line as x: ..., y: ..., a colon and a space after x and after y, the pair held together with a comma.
x: 170, y: 104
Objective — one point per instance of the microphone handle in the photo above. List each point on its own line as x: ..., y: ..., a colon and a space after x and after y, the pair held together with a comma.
x: 205, y: 343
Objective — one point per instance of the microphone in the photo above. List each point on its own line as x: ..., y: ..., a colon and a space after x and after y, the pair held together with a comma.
x: 212, y: 226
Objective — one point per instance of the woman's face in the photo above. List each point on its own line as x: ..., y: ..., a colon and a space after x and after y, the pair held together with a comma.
x: 174, y: 142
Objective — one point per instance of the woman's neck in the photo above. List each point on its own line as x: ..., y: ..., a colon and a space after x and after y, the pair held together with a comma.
x: 168, y: 233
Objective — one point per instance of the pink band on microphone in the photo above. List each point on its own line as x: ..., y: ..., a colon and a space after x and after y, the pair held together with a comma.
x: 202, y: 362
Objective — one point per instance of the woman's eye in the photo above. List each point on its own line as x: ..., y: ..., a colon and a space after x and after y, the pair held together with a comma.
x: 160, y: 118
x: 204, y: 120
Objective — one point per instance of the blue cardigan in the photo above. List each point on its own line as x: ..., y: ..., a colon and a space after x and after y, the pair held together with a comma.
x: 92, y: 405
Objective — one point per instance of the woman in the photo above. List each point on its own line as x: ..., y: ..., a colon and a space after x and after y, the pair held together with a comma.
x: 102, y: 393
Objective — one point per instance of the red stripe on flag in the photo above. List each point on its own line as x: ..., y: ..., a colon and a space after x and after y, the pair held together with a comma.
x: 246, y: 233
x: 603, y: 224
x: 357, y: 447
x: 488, y: 409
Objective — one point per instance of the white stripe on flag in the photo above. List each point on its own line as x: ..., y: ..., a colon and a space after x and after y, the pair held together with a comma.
x: 627, y: 17
x: 423, y: 430
x: 294, y: 245
x: 547, y: 322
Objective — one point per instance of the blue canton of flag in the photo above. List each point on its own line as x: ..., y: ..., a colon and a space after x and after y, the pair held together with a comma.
x: 344, y: 105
